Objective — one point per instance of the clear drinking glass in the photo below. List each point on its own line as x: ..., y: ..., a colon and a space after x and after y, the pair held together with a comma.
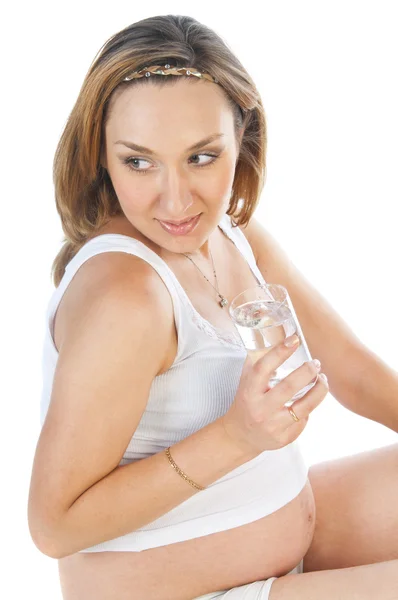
x: 264, y: 316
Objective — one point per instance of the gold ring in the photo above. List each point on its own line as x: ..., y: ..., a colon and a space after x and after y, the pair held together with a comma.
x: 295, y: 417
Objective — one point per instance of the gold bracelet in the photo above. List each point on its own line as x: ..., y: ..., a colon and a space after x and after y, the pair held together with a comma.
x: 176, y: 468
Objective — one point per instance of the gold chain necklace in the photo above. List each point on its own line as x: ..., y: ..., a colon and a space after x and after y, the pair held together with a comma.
x: 223, y: 301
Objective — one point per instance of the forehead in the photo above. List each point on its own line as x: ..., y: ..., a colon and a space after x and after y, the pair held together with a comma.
x: 195, y: 104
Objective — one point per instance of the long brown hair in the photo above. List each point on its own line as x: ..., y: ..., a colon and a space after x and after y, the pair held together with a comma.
x: 84, y: 195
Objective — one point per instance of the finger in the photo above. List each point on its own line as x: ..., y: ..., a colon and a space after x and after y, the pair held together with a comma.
x: 293, y: 431
x: 303, y: 408
x: 271, y: 360
x: 272, y: 375
x: 292, y: 384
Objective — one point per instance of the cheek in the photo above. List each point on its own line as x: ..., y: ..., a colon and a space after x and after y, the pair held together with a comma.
x: 217, y: 179
x: 133, y: 195
x: 220, y: 184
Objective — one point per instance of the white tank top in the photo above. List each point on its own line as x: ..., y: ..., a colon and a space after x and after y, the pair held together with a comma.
x: 197, y: 389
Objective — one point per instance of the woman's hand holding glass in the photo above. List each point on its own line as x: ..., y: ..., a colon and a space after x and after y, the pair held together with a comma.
x: 258, y: 419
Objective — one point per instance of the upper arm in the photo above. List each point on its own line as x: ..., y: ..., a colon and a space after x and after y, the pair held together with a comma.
x: 114, y: 345
x: 328, y: 336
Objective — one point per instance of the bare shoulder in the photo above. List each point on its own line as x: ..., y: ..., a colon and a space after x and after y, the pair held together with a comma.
x: 251, y: 230
x: 255, y: 234
x: 119, y: 278
x: 271, y: 258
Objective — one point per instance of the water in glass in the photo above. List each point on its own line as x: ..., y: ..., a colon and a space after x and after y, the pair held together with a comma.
x: 262, y: 324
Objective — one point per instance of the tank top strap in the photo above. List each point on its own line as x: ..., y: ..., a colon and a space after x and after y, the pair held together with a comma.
x: 236, y: 235
x: 185, y: 314
x: 114, y: 242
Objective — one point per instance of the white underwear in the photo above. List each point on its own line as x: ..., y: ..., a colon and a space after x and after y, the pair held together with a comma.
x: 258, y: 590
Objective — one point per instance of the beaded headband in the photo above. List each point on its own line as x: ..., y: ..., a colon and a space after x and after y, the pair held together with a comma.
x: 168, y: 70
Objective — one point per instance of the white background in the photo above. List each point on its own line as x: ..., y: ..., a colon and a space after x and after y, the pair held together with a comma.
x: 327, y: 73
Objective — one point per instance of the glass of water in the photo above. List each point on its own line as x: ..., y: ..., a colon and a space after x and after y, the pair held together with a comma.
x: 264, y: 316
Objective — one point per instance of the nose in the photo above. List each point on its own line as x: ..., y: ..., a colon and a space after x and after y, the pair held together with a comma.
x: 175, y: 197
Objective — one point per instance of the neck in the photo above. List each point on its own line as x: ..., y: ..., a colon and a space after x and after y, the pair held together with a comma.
x: 202, y: 253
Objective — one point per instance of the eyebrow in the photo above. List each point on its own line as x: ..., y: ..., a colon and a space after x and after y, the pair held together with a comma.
x: 150, y: 152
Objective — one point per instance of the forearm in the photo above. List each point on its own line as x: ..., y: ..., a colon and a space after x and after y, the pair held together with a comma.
x: 376, y: 393
x: 136, y: 494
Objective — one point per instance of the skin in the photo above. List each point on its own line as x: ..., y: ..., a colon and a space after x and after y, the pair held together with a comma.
x: 168, y: 121
x: 355, y: 497
x: 354, y: 550
x: 356, y: 510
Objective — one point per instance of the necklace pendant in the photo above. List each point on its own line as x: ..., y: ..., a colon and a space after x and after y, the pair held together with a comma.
x: 223, y: 302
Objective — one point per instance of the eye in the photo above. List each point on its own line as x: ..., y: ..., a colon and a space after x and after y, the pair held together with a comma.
x: 214, y: 156
x: 132, y: 161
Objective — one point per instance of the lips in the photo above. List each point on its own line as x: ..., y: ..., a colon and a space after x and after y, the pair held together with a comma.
x: 183, y: 228
x: 177, y: 223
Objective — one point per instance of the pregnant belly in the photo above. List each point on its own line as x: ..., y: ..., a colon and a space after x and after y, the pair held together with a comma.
x: 268, y: 547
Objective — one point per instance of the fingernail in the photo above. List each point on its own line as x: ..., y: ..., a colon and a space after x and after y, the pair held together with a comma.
x: 317, y: 363
x: 291, y: 341
x: 323, y: 377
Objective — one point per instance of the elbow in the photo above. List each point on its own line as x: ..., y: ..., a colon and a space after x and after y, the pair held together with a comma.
x: 46, y: 538
x: 45, y: 544
x: 51, y: 539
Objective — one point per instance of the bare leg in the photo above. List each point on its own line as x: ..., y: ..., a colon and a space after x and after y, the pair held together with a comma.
x: 366, y: 582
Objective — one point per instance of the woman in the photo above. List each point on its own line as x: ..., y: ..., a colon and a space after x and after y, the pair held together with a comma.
x: 166, y: 467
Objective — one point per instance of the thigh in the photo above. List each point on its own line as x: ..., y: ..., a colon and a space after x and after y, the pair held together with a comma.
x: 367, y: 582
x: 356, y: 510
